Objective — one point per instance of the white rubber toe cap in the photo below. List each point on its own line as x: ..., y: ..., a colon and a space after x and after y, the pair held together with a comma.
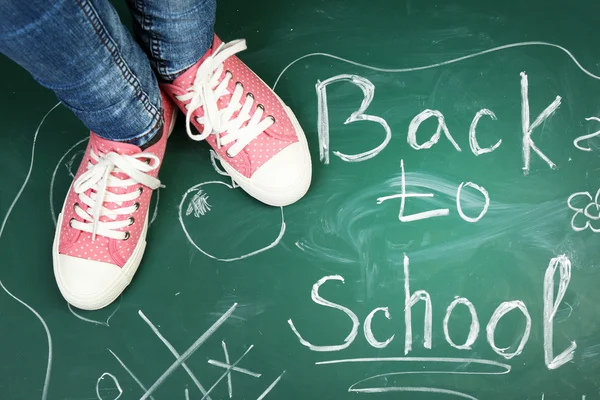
x: 88, y: 284
x: 285, y: 178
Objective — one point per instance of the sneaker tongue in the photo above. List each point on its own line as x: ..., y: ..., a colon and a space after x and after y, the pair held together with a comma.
x: 100, y: 145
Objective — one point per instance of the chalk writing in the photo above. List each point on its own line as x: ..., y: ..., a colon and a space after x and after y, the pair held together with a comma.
x: 561, y: 264
x: 368, y: 90
x: 403, y: 196
x: 500, y: 311
x: 528, y: 127
x: 473, y: 143
x: 418, y: 120
x: 473, y: 329
x: 586, y: 137
x: 441, y: 212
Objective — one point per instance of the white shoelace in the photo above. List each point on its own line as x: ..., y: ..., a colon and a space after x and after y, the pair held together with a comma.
x: 101, y: 176
x: 205, y: 92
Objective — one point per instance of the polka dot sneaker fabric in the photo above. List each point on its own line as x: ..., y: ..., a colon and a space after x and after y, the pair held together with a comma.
x: 254, y: 135
x: 101, y: 231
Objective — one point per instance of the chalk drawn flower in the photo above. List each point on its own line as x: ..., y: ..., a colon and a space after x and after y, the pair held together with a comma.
x: 591, y: 212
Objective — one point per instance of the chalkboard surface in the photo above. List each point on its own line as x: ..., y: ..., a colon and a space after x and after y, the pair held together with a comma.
x: 448, y: 247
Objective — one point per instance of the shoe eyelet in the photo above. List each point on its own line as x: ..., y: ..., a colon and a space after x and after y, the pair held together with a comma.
x: 228, y: 155
x: 141, y: 190
x: 136, y: 205
x: 127, y: 236
x: 261, y: 107
x: 228, y: 72
x: 240, y: 83
x: 272, y: 118
x: 75, y: 206
x: 250, y: 95
x: 71, y: 222
x: 131, y: 220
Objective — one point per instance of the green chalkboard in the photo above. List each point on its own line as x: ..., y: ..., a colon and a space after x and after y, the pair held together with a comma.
x: 327, y: 298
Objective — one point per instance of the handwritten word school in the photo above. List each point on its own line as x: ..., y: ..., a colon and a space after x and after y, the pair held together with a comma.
x: 558, y: 267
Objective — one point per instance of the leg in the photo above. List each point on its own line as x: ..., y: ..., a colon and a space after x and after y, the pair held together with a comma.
x: 175, y: 34
x: 81, y: 51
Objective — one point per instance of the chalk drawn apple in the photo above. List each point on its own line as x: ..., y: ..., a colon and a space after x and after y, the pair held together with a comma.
x: 220, y: 223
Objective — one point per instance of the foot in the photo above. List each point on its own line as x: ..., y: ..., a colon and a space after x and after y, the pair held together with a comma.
x: 255, y: 136
x: 101, y: 231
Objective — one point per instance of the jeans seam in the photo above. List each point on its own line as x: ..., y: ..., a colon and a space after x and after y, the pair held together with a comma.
x: 153, y: 43
x: 107, y: 41
x: 155, y: 127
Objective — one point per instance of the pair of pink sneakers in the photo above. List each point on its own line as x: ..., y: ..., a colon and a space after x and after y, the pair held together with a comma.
x: 101, y: 231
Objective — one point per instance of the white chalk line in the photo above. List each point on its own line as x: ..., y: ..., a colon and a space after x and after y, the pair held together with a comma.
x: 155, y: 213
x: 271, y: 386
x: 227, y: 371
x: 173, y: 351
x: 135, y: 378
x: 190, y: 351
x: 505, y: 370
x: 412, y: 389
x: 10, y: 208
x: 187, y: 234
x: 93, y: 321
x: 492, y: 363
x: 236, y: 369
x: 115, y: 380
x: 448, y: 62
x: 229, y: 379
x: 58, y: 164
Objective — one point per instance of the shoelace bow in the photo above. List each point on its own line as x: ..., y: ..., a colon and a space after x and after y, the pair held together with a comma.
x: 99, y: 177
x: 208, y: 88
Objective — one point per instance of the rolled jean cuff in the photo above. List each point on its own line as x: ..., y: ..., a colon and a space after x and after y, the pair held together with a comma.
x: 129, y: 120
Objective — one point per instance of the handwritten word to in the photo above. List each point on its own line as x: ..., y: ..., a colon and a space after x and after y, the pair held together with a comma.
x: 591, y: 211
x: 442, y: 212
x: 560, y: 266
x: 368, y: 89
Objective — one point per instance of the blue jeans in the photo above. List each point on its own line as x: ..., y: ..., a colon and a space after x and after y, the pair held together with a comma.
x: 81, y: 51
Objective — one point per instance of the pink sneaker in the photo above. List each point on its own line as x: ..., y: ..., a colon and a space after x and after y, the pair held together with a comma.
x: 101, y: 231
x: 256, y: 137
